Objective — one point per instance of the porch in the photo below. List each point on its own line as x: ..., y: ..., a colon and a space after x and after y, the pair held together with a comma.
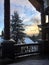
x: 12, y: 53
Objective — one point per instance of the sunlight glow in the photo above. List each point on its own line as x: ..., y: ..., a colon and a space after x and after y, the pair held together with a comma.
x: 32, y: 30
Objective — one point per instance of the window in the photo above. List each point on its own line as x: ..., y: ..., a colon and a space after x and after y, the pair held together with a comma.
x: 46, y: 18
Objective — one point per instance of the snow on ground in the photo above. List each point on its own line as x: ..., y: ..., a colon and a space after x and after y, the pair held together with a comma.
x: 27, y: 40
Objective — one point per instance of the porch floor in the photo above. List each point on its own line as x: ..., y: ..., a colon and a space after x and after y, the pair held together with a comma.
x: 32, y: 60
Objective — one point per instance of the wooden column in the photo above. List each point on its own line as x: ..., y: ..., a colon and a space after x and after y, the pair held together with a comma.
x: 7, y: 19
x: 43, y: 20
x: 48, y: 28
x: 48, y: 36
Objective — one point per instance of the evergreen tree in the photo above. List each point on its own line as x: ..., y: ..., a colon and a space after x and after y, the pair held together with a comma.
x: 17, y: 27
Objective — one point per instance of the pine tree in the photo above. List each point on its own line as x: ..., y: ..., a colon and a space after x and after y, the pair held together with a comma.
x: 17, y: 27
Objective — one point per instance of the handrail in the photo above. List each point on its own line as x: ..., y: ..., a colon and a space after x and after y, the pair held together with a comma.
x: 31, y: 44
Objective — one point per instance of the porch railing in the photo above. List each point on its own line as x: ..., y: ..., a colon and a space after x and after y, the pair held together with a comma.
x: 26, y: 49
x: 12, y: 50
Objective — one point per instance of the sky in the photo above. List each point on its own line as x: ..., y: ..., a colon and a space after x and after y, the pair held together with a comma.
x: 1, y: 15
x: 25, y: 9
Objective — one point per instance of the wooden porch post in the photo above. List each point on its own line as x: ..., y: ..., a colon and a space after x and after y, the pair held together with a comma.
x: 48, y: 28
x: 7, y: 19
x: 43, y: 21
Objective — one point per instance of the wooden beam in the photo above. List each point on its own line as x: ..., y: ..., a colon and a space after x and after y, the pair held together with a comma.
x: 7, y: 19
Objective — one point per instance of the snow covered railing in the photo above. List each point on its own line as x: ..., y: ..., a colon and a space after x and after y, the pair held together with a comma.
x: 25, y: 49
x: 11, y: 49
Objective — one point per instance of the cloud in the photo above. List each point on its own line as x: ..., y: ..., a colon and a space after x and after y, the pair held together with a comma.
x: 37, y: 18
x: 31, y: 30
x: 1, y: 1
x: 34, y: 19
x: 21, y: 5
x: 25, y: 9
x: 17, y: 8
x: 22, y: 2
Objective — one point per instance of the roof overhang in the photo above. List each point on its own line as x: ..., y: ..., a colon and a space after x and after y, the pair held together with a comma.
x: 37, y: 3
